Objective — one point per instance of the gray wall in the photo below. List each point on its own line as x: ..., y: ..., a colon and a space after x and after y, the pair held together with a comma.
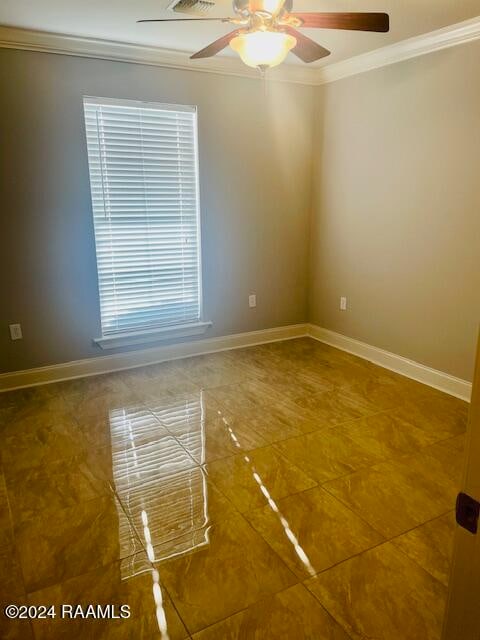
x: 395, y: 221
x: 255, y: 181
x: 396, y: 224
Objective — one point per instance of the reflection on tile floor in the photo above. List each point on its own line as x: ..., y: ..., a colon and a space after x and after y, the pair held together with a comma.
x: 288, y: 490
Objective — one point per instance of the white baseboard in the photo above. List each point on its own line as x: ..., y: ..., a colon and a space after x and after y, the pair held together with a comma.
x: 437, y: 379
x: 140, y: 358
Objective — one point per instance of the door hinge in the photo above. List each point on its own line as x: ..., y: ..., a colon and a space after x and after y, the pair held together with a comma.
x: 467, y: 512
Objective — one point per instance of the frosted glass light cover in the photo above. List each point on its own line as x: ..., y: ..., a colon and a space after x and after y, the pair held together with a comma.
x: 263, y: 48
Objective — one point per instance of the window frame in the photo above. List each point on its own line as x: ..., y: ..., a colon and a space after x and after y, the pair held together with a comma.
x: 153, y: 333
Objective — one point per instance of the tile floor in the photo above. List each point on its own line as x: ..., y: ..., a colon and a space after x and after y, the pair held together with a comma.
x: 285, y: 491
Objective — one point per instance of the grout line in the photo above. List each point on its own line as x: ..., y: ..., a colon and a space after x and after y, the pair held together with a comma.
x: 392, y: 540
x: 172, y: 602
x: 385, y: 541
x: 339, y: 623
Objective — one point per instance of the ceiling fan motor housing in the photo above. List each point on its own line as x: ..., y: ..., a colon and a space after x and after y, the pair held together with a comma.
x: 247, y: 7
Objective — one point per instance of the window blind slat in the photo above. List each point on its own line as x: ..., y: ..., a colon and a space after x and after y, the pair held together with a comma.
x: 143, y: 177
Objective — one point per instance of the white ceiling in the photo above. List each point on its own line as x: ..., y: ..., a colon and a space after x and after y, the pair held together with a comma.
x: 116, y: 20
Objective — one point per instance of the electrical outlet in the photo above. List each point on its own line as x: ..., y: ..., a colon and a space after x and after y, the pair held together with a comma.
x: 252, y: 301
x: 343, y: 303
x: 16, y: 332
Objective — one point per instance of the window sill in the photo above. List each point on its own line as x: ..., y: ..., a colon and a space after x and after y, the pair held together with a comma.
x: 152, y: 335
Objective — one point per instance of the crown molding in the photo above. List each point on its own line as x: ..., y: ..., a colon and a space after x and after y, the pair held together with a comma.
x: 46, y: 42
x: 451, y: 36
x: 43, y: 41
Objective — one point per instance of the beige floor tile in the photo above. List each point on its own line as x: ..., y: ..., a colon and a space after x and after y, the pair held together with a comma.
x: 431, y: 546
x: 219, y: 377
x: 28, y: 395
x: 270, y: 426
x: 257, y: 359
x: 206, y: 430
x: 174, y: 508
x: 33, y: 405
x: 280, y: 421
x: 97, y: 395
x: 187, y: 445
x: 154, y: 394
x: 410, y: 389
x: 387, y: 435
x: 417, y: 390
x: 33, y: 443
x: 400, y: 494
x: 449, y: 456
x: 337, y: 369
x: 237, y: 565
x: 214, y: 439
x: 382, y: 594
x: 327, y: 454
x: 442, y: 415
x: 162, y: 371
x: 456, y: 444
x: 6, y: 533
x: 111, y: 585
x: 298, y: 353
x: 129, y: 426
x: 55, y: 546
x: 11, y: 581
x: 244, y: 396
x: 5, y: 416
x: 96, y: 429
x: 294, y: 384
x: 56, y: 486
x: 379, y: 390
x: 148, y: 462
x: 159, y: 381
x: 290, y: 614
x: 243, y: 479
x: 132, y: 427
x: 177, y: 411
x: 14, y: 629
x: 301, y: 348
x: 263, y: 368
x: 333, y: 407
x: 324, y: 531
x: 100, y: 406
x: 213, y: 370
x: 92, y: 386
x: 217, y: 358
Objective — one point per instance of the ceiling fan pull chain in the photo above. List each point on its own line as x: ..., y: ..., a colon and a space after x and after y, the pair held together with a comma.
x: 263, y: 73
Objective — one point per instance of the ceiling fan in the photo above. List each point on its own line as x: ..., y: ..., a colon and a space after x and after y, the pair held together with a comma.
x: 266, y: 30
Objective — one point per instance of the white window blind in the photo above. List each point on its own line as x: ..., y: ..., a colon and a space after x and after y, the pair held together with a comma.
x: 144, y: 183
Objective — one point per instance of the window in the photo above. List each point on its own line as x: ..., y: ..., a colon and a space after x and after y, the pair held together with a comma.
x: 144, y: 184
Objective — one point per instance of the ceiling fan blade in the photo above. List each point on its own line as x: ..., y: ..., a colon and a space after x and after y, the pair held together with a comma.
x: 354, y: 21
x: 214, y: 47
x: 306, y: 49
x: 186, y: 20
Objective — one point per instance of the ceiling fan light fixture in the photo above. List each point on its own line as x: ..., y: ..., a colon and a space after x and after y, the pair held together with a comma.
x: 263, y: 48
